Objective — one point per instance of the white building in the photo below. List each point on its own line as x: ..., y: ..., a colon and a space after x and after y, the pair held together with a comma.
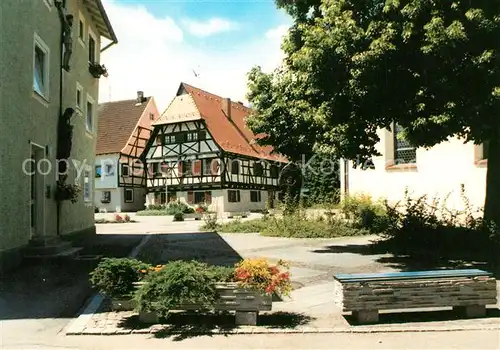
x: 201, y: 151
x: 123, y: 131
x: 438, y: 171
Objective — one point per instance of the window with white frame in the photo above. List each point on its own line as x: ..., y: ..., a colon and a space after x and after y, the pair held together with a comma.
x: 109, y: 170
x: 192, y: 136
x: 41, y: 54
x: 233, y: 196
x: 129, y: 195
x: 92, y: 48
x: 81, y: 29
x: 404, y: 151
x: 106, y: 197
x: 86, y: 186
x: 125, y: 169
x: 89, y: 115
x: 79, y: 97
x: 255, y: 196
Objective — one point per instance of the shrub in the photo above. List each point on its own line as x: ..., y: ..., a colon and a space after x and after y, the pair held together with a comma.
x: 178, y: 216
x: 259, y: 274
x: 211, y: 222
x: 177, y: 283
x: 152, y: 212
x: 156, y: 207
x: 178, y: 206
x: 115, y: 277
x: 239, y: 226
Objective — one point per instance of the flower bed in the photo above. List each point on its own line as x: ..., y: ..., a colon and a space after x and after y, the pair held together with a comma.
x: 245, y: 289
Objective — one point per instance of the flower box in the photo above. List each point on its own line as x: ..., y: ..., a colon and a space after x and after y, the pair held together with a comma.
x: 196, y: 216
x: 245, y: 302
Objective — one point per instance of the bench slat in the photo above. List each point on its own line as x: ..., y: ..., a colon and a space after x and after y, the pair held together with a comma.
x: 389, y: 276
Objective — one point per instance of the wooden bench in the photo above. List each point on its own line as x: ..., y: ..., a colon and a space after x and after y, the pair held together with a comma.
x: 467, y: 291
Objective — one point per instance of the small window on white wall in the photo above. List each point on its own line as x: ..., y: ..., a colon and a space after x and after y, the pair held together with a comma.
x: 81, y: 29
x: 89, y: 116
x: 41, y: 61
x: 79, y: 97
x: 129, y: 195
x: 86, y: 187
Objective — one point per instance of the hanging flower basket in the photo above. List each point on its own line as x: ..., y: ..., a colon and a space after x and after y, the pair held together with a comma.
x: 67, y: 192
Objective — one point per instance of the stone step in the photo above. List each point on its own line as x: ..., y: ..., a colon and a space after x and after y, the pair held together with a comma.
x: 69, y: 253
x: 50, y: 249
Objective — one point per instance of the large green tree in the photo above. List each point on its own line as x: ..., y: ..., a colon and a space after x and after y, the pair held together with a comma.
x: 355, y: 66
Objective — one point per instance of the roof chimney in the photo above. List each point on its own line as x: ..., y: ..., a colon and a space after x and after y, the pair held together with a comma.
x: 140, y: 97
x: 226, y: 107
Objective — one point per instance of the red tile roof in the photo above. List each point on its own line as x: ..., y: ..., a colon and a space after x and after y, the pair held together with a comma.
x: 231, y: 134
x: 117, y: 120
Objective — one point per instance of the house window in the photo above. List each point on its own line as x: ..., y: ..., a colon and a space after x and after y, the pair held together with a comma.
x: 258, y: 169
x: 233, y: 196
x: 129, y: 195
x: 235, y: 167
x: 186, y: 168
x: 106, y: 197
x: 156, y: 168
x: 404, y: 151
x: 199, y: 197
x: 207, y: 166
x: 109, y: 170
x: 98, y: 171
x: 89, y: 120
x: 274, y: 171
x: 79, y: 96
x: 169, y: 139
x: 92, y: 52
x: 255, y: 196
x: 125, y: 169
x: 192, y: 136
x: 41, y: 68
x: 81, y: 30
x: 151, y: 116
x: 86, y: 186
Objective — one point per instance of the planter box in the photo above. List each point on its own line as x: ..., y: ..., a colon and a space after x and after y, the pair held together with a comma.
x: 245, y: 302
x: 196, y: 216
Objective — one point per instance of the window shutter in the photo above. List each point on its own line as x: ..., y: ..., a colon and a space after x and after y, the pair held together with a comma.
x: 197, y: 167
x: 238, y: 196
x: 214, y: 166
x: 150, y: 170
x: 208, y: 197
x: 180, y: 169
x: 190, y: 197
x: 164, y: 167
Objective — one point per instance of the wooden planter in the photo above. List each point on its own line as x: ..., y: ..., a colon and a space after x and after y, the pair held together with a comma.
x: 245, y: 302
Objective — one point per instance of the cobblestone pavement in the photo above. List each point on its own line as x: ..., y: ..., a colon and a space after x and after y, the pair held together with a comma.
x: 313, y: 262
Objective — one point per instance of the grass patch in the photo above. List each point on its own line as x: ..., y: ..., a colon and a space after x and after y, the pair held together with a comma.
x: 295, y: 225
x: 153, y: 212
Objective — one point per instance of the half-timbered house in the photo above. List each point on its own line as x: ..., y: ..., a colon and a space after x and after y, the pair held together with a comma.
x: 123, y: 131
x: 201, y: 152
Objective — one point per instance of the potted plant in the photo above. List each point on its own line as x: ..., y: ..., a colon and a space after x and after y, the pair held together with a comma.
x: 66, y: 191
x: 117, y: 279
x: 96, y: 70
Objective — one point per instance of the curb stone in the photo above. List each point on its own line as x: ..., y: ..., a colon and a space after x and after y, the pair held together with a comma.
x: 158, y: 328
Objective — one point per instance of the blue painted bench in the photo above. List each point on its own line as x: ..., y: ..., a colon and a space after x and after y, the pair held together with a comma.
x: 468, y: 291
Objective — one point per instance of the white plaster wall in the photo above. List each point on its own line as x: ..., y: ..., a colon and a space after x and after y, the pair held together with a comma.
x: 116, y: 200
x: 244, y: 204
x: 138, y: 202
x: 440, y: 171
x: 106, y: 181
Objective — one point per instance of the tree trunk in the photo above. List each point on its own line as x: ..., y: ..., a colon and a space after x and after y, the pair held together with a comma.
x: 492, y: 199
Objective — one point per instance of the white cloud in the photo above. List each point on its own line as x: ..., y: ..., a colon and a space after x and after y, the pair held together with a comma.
x: 278, y: 32
x: 209, y: 27
x: 151, y: 56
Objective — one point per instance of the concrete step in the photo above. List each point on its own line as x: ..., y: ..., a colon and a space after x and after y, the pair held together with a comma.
x: 54, y: 247
x: 69, y: 253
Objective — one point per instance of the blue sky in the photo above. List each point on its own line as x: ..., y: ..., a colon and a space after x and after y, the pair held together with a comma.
x: 221, y: 40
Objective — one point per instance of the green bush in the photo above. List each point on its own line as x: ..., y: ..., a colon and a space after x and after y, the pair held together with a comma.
x: 180, y: 282
x: 115, y: 277
x: 420, y: 225
x: 178, y: 216
x: 239, y: 226
x: 211, y: 222
x: 152, y: 212
x: 178, y: 206
x: 365, y: 212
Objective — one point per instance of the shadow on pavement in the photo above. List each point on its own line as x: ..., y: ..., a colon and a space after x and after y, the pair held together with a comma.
x: 57, y: 289
x: 183, y: 325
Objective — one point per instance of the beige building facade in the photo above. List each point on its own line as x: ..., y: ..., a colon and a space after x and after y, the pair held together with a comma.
x: 35, y: 92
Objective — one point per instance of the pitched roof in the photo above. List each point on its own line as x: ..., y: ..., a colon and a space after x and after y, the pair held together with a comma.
x: 117, y: 120
x: 232, y: 134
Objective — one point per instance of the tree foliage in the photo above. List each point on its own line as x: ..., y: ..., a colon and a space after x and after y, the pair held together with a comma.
x: 355, y: 66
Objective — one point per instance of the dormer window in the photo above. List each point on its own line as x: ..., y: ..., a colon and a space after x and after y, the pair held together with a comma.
x: 192, y: 136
